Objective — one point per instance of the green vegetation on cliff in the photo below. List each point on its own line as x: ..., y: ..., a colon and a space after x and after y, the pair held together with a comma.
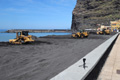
x: 88, y: 13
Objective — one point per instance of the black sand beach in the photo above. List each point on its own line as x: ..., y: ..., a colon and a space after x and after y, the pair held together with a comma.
x: 44, y: 58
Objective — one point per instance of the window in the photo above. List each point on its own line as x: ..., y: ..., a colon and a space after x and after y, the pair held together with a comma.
x: 25, y: 33
x: 19, y: 33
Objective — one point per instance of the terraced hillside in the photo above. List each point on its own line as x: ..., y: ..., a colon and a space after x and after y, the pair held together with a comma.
x: 89, y: 13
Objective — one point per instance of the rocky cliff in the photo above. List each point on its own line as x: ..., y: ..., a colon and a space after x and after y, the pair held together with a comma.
x: 89, y: 13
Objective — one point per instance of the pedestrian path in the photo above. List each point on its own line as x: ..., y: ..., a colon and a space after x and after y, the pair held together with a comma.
x: 111, y: 68
x: 80, y: 70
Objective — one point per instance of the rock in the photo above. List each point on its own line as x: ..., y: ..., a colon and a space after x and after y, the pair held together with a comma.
x: 90, y: 13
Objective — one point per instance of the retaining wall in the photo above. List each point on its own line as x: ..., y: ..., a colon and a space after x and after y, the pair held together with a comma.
x: 79, y: 70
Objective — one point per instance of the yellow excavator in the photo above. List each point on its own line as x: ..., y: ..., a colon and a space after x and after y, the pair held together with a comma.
x: 21, y: 37
x: 80, y: 34
x: 103, y: 31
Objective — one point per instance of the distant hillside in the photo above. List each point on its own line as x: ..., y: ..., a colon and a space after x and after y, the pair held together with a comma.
x: 89, y: 13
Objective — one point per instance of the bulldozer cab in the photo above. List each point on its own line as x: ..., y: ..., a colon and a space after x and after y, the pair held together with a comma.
x: 25, y: 33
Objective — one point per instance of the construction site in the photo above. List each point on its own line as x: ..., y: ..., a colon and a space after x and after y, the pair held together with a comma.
x: 46, y: 57
x: 90, y: 50
x: 55, y: 57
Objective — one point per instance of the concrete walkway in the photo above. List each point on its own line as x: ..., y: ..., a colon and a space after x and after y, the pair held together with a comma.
x: 111, y: 69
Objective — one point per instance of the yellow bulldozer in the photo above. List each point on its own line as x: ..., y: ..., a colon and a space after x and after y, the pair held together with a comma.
x: 80, y: 34
x: 21, y: 37
x: 103, y: 31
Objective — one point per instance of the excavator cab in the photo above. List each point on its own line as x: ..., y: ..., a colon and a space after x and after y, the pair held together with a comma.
x: 21, y: 37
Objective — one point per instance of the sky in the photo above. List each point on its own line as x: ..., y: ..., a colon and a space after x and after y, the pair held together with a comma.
x: 36, y: 14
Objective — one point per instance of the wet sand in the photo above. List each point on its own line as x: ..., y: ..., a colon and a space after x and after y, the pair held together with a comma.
x: 44, y: 58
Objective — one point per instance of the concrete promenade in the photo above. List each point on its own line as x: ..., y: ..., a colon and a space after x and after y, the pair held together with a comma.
x: 111, y: 68
x: 79, y: 71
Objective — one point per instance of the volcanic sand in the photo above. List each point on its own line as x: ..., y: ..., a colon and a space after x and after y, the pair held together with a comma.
x: 44, y: 58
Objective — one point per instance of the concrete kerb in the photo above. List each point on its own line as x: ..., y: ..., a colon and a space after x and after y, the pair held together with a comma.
x: 100, y: 63
x: 80, y: 71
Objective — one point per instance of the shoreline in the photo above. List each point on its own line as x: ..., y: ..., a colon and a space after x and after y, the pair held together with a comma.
x: 37, y: 35
x: 38, y: 30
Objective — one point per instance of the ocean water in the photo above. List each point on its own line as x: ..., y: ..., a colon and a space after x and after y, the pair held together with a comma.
x: 3, y: 30
x: 4, y: 37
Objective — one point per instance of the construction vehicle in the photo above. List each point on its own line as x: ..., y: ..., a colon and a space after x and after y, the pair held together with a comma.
x: 103, y: 31
x: 21, y: 37
x: 115, y: 25
x: 80, y: 34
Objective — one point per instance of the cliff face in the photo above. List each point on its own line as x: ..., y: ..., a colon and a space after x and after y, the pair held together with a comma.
x: 89, y: 13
